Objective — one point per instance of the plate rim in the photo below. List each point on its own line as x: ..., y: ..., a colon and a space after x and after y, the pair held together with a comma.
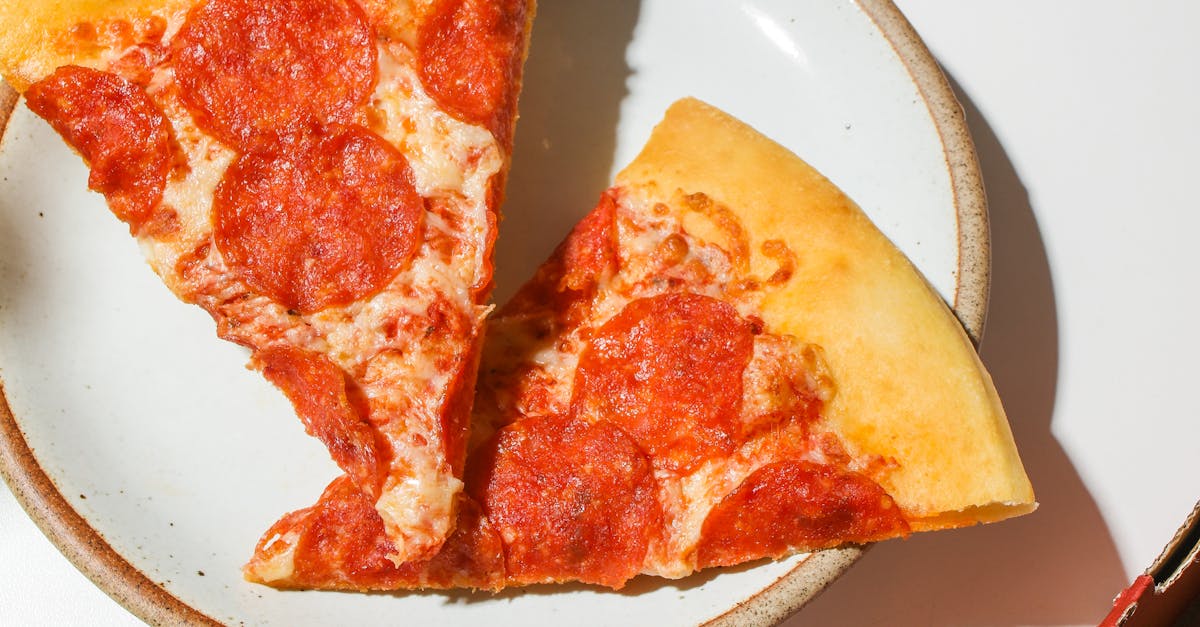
x: 87, y: 550
x: 973, y: 288
x: 784, y: 597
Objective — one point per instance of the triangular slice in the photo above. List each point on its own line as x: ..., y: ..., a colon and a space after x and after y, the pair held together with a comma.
x: 322, y: 177
x: 724, y: 361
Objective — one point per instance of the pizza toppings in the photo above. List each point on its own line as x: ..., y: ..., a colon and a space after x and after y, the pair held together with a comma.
x: 591, y: 250
x: 668, y: 370
x: 570, y: 500
x: 796, y: 505
x: 473, y: 556
x: 117, y: 128
x: 569, y: 279
x: 455, y: 419
x: 342, y: 539
x: 654, y: 427
x: 466, y: 60
x: 317, y: 389
x: 251, y: 71
x: 284, y: 167
x: 341, y: 543
x: 324, y: 221
x: 692, y: 436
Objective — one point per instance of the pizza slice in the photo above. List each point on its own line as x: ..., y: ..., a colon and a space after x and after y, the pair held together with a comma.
x: 724, y: 361
x: 323, y: 178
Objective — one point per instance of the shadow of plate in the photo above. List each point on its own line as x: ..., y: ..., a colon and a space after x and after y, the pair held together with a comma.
x: 1057, y: 566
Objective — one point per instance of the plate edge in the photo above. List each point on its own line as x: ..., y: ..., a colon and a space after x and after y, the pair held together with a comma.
x: 792, y: 590
x: 69, y: 532
x: 973, y: 287
x: 788, y: 594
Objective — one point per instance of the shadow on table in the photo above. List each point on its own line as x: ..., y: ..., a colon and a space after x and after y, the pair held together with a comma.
x: 1056, y: 566
x: 574, y: 84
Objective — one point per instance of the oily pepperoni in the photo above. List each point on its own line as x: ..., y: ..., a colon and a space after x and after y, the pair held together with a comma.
x: 791, y: 506
x: 325, y: 220
x: 468, y: 60
x: 668, y: 370
x: 250, y: 70
x: 317, y: 389
x: 566, y: 283
x: 472, y: 557
x: 117, y: 128
x: 341, y: 543
x: 590, y: 251
x: 571, y: 500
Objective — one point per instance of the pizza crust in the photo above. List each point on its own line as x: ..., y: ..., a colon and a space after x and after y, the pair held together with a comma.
x: 407, y: 343
x: 910, y: 386
x: 35, y: 37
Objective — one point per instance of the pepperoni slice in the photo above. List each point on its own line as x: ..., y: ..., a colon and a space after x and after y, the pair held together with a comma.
x: 325, y: 220
x: 467, y: 58
x: 249, y: 69
x: 568, y: 279
x: 668, y: 370
x: 472, y: 557
x: 791, y: 506
x: 341, y: 543
x: 570, y: 500
x: 117, y: 128
x: 317, y: 389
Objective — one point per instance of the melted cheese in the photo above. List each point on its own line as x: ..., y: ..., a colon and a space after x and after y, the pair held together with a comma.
x: 781, y: 370
x: 382, y: 341
x: 281, y: 565
x: 419, y: 508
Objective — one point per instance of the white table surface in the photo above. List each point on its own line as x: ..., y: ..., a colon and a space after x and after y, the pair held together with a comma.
x: 1085, y: 117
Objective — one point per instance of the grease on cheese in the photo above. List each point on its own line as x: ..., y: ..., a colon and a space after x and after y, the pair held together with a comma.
x: 418, y: 510
x: 783, y: 377
x: 384, y: 339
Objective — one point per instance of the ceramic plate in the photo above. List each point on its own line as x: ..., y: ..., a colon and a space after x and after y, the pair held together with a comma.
x: 153, y: 459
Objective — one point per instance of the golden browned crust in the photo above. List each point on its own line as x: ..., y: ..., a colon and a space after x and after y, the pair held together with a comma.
x: 37, y: 37
x: 910, y: 386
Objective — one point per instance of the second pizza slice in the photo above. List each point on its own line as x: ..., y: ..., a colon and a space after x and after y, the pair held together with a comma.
x: 323, y: 178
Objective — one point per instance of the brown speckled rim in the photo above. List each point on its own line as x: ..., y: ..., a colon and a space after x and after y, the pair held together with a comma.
x: 970, y: 201
x: 78, y: 541
x: 147, y: 600
x: 64, y: 527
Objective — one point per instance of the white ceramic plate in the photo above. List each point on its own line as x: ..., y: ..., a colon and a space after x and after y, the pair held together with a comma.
x: 150, y: 455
